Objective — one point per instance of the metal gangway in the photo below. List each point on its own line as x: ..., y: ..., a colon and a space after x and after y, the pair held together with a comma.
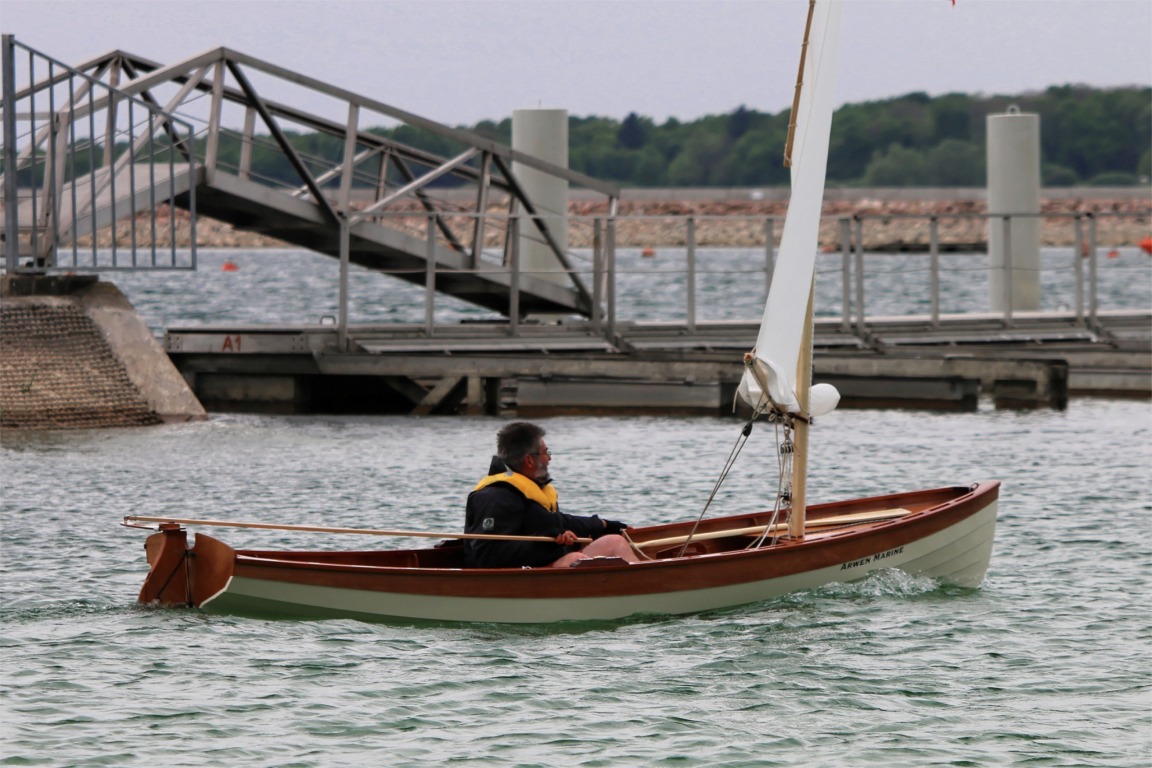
x: 102, y: 158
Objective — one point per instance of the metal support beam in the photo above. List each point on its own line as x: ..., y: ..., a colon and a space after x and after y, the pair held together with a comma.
x: 845, y: 227
x: 282, y: 140
x: 11, y: 190
x: 345, y: 258
x: 481, y: 210
x: 422, y: 181
x: 934, y: 267
x: 437, y: 395
x: 430, y: 279
x: 597, y: 277
x: 690, y: 277
x: 345, y: 202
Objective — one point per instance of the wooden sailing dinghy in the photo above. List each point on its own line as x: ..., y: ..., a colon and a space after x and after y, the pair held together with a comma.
x: 711, y: 563
x: 944, y: 533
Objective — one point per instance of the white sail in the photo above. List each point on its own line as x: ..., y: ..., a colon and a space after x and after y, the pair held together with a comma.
x: 778, y: 344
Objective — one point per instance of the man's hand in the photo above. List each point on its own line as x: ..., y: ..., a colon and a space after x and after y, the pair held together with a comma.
x: 611, y: 526
x: 567, y: 538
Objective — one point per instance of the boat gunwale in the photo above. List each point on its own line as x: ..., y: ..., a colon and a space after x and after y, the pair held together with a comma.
x: 715, y: 569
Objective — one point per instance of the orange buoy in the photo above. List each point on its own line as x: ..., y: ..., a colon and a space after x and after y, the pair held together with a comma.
x: 648, y: 253
x: 230, y: 266
x: 1146, y: 245
x: 1113, y: 254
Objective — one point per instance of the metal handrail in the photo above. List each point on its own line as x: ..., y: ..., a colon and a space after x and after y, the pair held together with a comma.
x: 78, y: 162
x: 601, y: 261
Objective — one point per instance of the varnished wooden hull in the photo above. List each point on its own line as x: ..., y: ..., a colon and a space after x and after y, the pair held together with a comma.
x: 947, y: 534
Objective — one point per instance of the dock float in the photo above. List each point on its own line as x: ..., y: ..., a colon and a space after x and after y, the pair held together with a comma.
x: 573, y: 368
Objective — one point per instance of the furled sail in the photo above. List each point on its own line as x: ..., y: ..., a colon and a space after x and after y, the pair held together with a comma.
x: 778, y: 346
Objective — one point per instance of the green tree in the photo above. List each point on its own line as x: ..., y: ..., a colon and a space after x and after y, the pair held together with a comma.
x: 954, y: 163
x: 897, y: 166
x: 651, y: 168
x: 739, y: 122
x: 1113, y: 179
x: 633, y: 132
x: 1052, y: 175
x: 695, y: 164
x: 914, y: 139
x: 951, y: 117
x: 500, y: 132
x: 757, y: 159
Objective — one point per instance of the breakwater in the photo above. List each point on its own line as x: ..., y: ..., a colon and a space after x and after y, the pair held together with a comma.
x: 75, y: 355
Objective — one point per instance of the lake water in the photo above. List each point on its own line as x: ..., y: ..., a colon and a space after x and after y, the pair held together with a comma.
x: 1049, y: 663
x: 299, y: 287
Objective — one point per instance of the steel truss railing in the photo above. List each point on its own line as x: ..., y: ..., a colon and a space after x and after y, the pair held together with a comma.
x: 80, y: 157
x: 347, y: 170
x: 356, y: 173
x: 606, y: 252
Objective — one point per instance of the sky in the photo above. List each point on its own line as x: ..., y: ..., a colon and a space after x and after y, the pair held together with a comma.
x: 462, y: 61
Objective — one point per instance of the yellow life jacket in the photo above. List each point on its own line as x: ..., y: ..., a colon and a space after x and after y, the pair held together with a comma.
x: 545, y: 497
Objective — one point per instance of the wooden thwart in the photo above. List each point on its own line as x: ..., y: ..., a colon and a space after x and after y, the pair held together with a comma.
x: 756, y: 530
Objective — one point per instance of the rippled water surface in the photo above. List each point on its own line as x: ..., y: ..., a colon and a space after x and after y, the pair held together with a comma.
x: 1047, y: 664
x: 300, y: 287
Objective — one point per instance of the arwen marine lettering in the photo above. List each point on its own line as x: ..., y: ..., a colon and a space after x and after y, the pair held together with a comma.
x: 870, y: 558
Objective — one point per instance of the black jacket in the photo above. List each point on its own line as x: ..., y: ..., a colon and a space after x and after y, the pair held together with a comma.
x: 512, y: 513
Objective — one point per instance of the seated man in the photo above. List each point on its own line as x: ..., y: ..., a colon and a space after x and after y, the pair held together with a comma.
x: 517, y: 498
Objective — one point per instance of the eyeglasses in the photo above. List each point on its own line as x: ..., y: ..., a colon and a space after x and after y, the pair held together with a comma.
x: 545, y: 452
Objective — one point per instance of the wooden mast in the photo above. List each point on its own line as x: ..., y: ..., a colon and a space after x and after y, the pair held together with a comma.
x: 799, y: 85
x: 796, y: 519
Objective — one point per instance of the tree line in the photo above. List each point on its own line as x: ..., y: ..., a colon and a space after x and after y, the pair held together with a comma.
x: 1088, y: 137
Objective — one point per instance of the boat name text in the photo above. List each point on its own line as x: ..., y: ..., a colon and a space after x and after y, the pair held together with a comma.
x: 870, y: 558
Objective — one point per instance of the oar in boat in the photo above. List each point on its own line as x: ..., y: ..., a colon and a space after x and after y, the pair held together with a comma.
x: 858, y: 517
x: 130, y: 520
x: 756, y: 530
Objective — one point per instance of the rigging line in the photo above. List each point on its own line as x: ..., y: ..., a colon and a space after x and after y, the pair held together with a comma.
x: 759, y: 540
x: 784, y: 470
x: 635, y: 548
x: 732, y: 455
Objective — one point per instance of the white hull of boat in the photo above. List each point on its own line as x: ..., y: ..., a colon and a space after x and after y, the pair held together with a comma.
x: 958, y: 554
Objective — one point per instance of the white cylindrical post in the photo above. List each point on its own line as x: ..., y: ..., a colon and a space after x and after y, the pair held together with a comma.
x: 1014, y: 188
x: 542, y: 133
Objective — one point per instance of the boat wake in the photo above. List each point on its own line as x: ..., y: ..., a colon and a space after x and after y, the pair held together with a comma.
x: 890, y: 582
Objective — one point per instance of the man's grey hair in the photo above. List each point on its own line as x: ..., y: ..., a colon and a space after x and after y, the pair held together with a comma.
x: 517, y: 440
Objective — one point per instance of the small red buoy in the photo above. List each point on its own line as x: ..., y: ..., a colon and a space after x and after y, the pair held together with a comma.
x: 1146, y: 245
x: 648, y: 253
x: 229, y: 266
x: 1113, y: 254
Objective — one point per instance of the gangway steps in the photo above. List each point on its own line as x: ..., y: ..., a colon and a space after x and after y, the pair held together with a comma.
x: 249, y: 205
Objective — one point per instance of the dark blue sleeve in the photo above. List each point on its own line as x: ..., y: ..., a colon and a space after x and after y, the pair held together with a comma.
x: 591, y: 527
